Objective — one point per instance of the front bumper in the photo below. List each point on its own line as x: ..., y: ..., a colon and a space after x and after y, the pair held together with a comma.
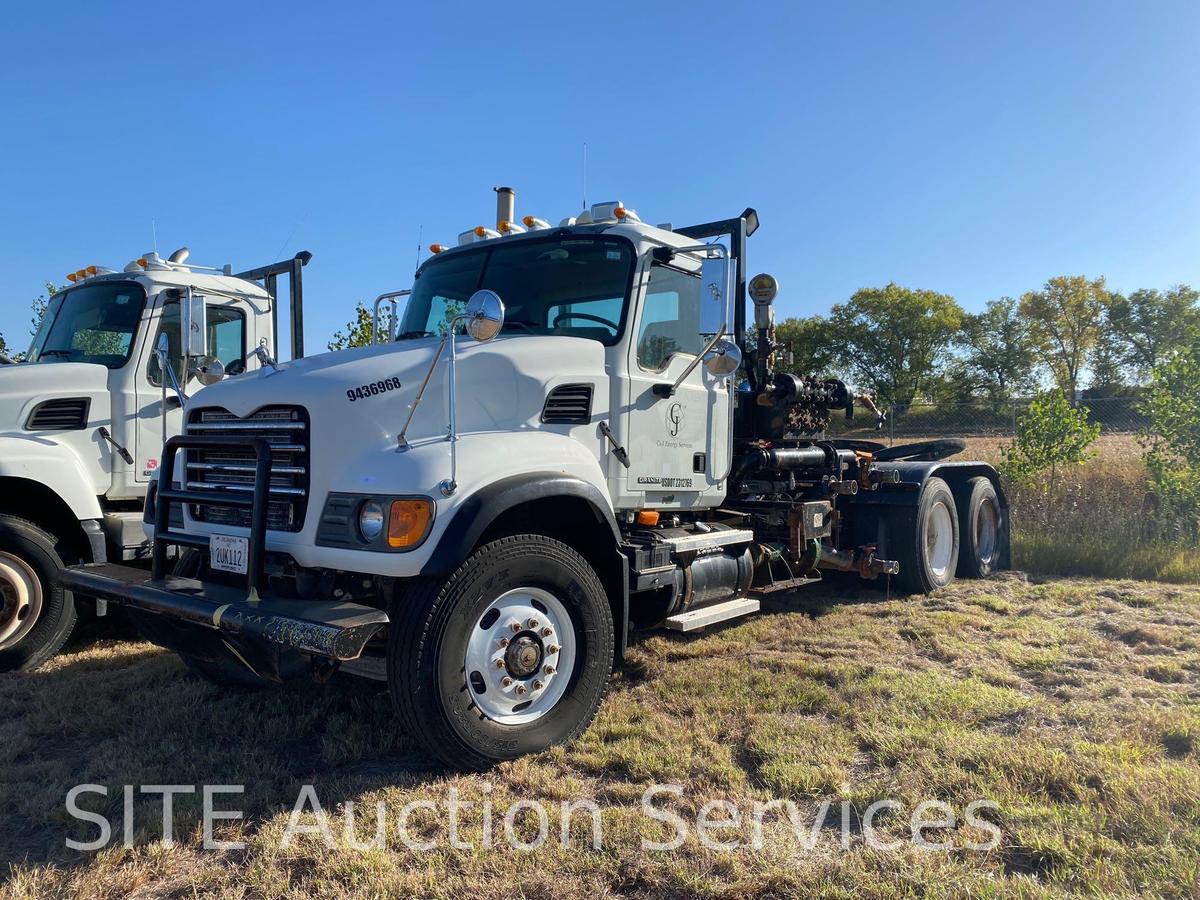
x: 334, y: 630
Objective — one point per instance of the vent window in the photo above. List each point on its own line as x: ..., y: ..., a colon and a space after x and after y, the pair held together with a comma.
x: 67, y: 414
x: 568, y: 404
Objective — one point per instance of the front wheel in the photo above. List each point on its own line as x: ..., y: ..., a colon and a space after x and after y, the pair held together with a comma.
x: 510, y: 655
x: 36, y: 614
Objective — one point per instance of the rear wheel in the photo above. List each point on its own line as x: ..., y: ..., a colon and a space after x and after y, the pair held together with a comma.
x: 510, y: 655
x: 36, y: 614
x: 982, y: 529
x: 925, y: 540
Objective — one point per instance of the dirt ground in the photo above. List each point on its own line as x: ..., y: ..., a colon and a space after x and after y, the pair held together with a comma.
x: 1071, y: 706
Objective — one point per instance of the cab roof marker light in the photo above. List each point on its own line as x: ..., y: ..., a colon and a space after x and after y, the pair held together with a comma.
x: 436, y: 248
x: 533, y: 223
x: 506, y: 228
x: 91, y: 270
x: 72, y: 276
x: 484, y: 233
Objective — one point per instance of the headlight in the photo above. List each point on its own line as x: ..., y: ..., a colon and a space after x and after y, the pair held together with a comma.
x: 371, y: 518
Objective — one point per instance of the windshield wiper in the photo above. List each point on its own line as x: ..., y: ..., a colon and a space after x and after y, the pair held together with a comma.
x: 65, y: 353
x: 408, y: 335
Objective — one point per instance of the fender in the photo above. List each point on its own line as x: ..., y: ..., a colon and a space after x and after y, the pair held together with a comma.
x: 478, y: 511
x: 55, y: 466
x: 914, y: 474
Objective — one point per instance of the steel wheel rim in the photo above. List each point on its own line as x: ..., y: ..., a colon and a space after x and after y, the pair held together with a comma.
x: 520, y: 656
x: 939, y: 539
x: 20, y: 599
x: 987, y: 527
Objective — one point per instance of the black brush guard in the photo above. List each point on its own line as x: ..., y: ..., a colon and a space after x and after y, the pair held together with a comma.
x: 246, y: 615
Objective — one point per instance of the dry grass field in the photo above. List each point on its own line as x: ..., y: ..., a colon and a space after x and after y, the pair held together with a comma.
x: 1072, y: 705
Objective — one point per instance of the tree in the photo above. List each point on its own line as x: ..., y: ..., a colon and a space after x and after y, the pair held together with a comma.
x: 1148, y: 324
x: 1051, y: 433
x: 807, y: 346
x: 39, y: 306
x: 893, y: 338
x: 1108, y: 371
x: 998, y: 351
x: 359, y: 331
x: 1064, y: 323
x: 1172, y: 405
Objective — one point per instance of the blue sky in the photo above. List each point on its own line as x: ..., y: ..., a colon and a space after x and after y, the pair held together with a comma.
x: 971, y: 148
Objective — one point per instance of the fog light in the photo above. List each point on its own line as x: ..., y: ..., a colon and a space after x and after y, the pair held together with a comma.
x: 370, y: 520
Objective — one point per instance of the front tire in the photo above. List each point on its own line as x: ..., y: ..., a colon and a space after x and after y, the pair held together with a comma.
x: 510, y: 655
x: 925, y: 540
x: 36, y: 614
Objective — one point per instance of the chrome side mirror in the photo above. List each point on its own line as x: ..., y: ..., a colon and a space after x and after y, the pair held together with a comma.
x: 714, y: 294
x: 484, y: 315
x: 723, y: 358
x: 208, y: 370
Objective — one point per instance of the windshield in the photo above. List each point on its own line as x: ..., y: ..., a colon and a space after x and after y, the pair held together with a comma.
x: 93, y: 323
x: 574, y: 286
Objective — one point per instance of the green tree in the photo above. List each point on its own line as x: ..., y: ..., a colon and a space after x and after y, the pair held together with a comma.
x: 998, y: 351
x: 359, y: 331
x: 893, y: 339
x: 1064, y: 322
x: 1172, y: 405
x: 1108, y: 370
x: 1148, y: 324
x: 1050, y: 434
x: 806, y: 346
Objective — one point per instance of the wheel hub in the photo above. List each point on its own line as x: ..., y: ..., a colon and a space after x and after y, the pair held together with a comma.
x: 520, y: 656
x: 524, y: 655
x: 20, y: 599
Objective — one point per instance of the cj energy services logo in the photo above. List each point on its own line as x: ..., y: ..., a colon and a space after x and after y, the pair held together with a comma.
x: 674, y: 419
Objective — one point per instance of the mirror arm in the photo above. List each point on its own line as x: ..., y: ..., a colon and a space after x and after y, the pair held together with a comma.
x: 392, y: 297
x: 668, y: 390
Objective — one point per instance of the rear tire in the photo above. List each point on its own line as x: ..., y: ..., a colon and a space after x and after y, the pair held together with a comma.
x: 982, y: 527
x: 36, y: 614
x: 472, y: 689
x: 925, y: 540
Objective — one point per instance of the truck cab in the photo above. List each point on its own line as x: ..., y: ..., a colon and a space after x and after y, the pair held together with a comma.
x: 84, y: 416
x: 564, y: 436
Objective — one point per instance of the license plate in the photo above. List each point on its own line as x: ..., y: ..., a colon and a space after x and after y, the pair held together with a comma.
x: 227, y: 553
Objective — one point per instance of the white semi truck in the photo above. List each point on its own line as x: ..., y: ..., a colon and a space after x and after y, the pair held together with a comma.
x: 84, y: 416
x: 567, y: 439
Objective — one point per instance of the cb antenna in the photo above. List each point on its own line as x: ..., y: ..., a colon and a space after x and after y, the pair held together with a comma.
x: 420, y: 234
x: 585, y: 206
x: 154, y: 236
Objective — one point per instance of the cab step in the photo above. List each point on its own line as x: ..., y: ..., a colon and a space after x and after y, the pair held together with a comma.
x: 695, y: 619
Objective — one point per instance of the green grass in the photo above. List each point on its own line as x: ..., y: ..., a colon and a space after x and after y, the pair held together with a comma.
x: 1071, y: 704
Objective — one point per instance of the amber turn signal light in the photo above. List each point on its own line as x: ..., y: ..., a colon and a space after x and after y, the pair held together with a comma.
x: 408, y: 522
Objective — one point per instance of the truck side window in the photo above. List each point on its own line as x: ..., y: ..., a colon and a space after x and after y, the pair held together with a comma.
x: 670, y: 317
x: 226, y: 340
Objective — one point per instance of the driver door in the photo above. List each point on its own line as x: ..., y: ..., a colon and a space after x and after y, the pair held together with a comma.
x: 226, y: 340
x: 679, y: 445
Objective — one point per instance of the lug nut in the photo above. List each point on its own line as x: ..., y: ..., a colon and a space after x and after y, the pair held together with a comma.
x: 533, y: 623
x: 505, y: 681
x: 520, y: 688
x: 547, y: 631
x: 516, y: 626
x: 549, y: 670
x: 537, y: 685
x: 553, y: 648
x: 500, y: 664
x: 503, y: 642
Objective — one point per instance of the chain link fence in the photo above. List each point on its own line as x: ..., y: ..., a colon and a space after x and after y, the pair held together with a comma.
x: 977, y: 419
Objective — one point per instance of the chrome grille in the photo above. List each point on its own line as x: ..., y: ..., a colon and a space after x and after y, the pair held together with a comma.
x: 285, y: 428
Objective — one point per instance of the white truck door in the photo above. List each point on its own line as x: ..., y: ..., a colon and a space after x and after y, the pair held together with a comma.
x: 226, y: 338
x: 679, y: 445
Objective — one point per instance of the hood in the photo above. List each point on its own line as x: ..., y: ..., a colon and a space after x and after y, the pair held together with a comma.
x: 365, y: 394
x: 25, y: 386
